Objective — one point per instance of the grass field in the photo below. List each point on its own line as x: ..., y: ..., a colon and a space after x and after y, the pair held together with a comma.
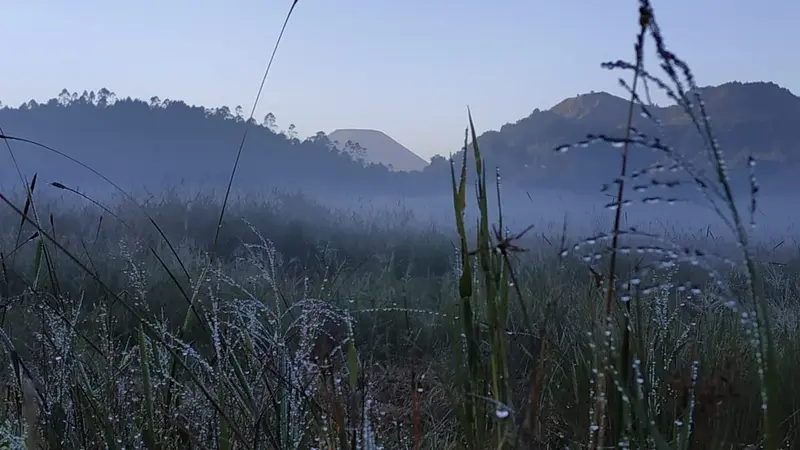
x: 130, y: 326
x: 395, y: 293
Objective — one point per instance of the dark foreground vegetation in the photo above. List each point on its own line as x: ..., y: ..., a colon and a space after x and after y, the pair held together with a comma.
x: 128, y: 327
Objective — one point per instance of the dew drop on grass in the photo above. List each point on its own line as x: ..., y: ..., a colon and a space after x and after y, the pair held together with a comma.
x: 501, y: 413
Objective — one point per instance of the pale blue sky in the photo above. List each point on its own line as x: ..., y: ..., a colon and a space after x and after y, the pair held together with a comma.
x: 406, y: 67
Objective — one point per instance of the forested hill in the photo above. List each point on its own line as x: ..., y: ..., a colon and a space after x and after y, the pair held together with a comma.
x: 136, y: 142
x: 762, y: 119
x: 157, y: 143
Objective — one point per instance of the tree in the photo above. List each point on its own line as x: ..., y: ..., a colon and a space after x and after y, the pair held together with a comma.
x: 102, y: 97
x: 356, y: 151
x: 320, y: 138
x: 155, y: 102
x: 270, y: 122
x: 239, y: 112
x: 291, y: 133
x: 225, y: 112
x: 438, y: 159
x: 105, y: 98
x: 64, y: 97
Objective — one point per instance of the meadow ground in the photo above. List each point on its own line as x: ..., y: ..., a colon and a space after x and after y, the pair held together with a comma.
x: 269, y: 299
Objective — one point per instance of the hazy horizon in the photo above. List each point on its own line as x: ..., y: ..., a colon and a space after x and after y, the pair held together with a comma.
x: 407, y: 69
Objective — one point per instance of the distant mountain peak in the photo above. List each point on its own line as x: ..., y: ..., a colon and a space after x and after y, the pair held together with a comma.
x: 600, y: 109
x: 583, y: 105
x: 379, y: 148
x: 758, y: 119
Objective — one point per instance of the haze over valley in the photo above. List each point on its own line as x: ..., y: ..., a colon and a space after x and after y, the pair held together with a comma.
x: 150, y: 146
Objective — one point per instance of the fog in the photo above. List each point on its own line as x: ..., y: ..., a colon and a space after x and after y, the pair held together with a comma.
x: 185, y: 152
x: 547, y: 210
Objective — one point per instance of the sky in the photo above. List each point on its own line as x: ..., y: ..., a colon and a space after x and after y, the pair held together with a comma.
x: 408, y: 68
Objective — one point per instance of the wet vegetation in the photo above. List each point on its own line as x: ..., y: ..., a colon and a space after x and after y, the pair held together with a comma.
x: 157, y: 324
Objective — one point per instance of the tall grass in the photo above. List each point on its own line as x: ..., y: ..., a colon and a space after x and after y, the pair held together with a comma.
x: 623, y: 411
x: 127, y: 333
x: 265, y: 312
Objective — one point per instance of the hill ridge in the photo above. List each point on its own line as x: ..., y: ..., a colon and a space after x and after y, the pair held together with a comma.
x: 758, y: 118
x: 122, y: 137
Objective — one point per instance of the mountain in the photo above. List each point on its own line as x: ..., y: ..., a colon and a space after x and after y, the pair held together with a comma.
x: 762, y: 119
x: 158, y: 143
x: 379, y: 149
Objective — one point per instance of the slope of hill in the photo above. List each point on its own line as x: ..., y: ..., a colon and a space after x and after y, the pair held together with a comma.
x: 379, y: 149
x: 138, y: 143
x: 762, y: 119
